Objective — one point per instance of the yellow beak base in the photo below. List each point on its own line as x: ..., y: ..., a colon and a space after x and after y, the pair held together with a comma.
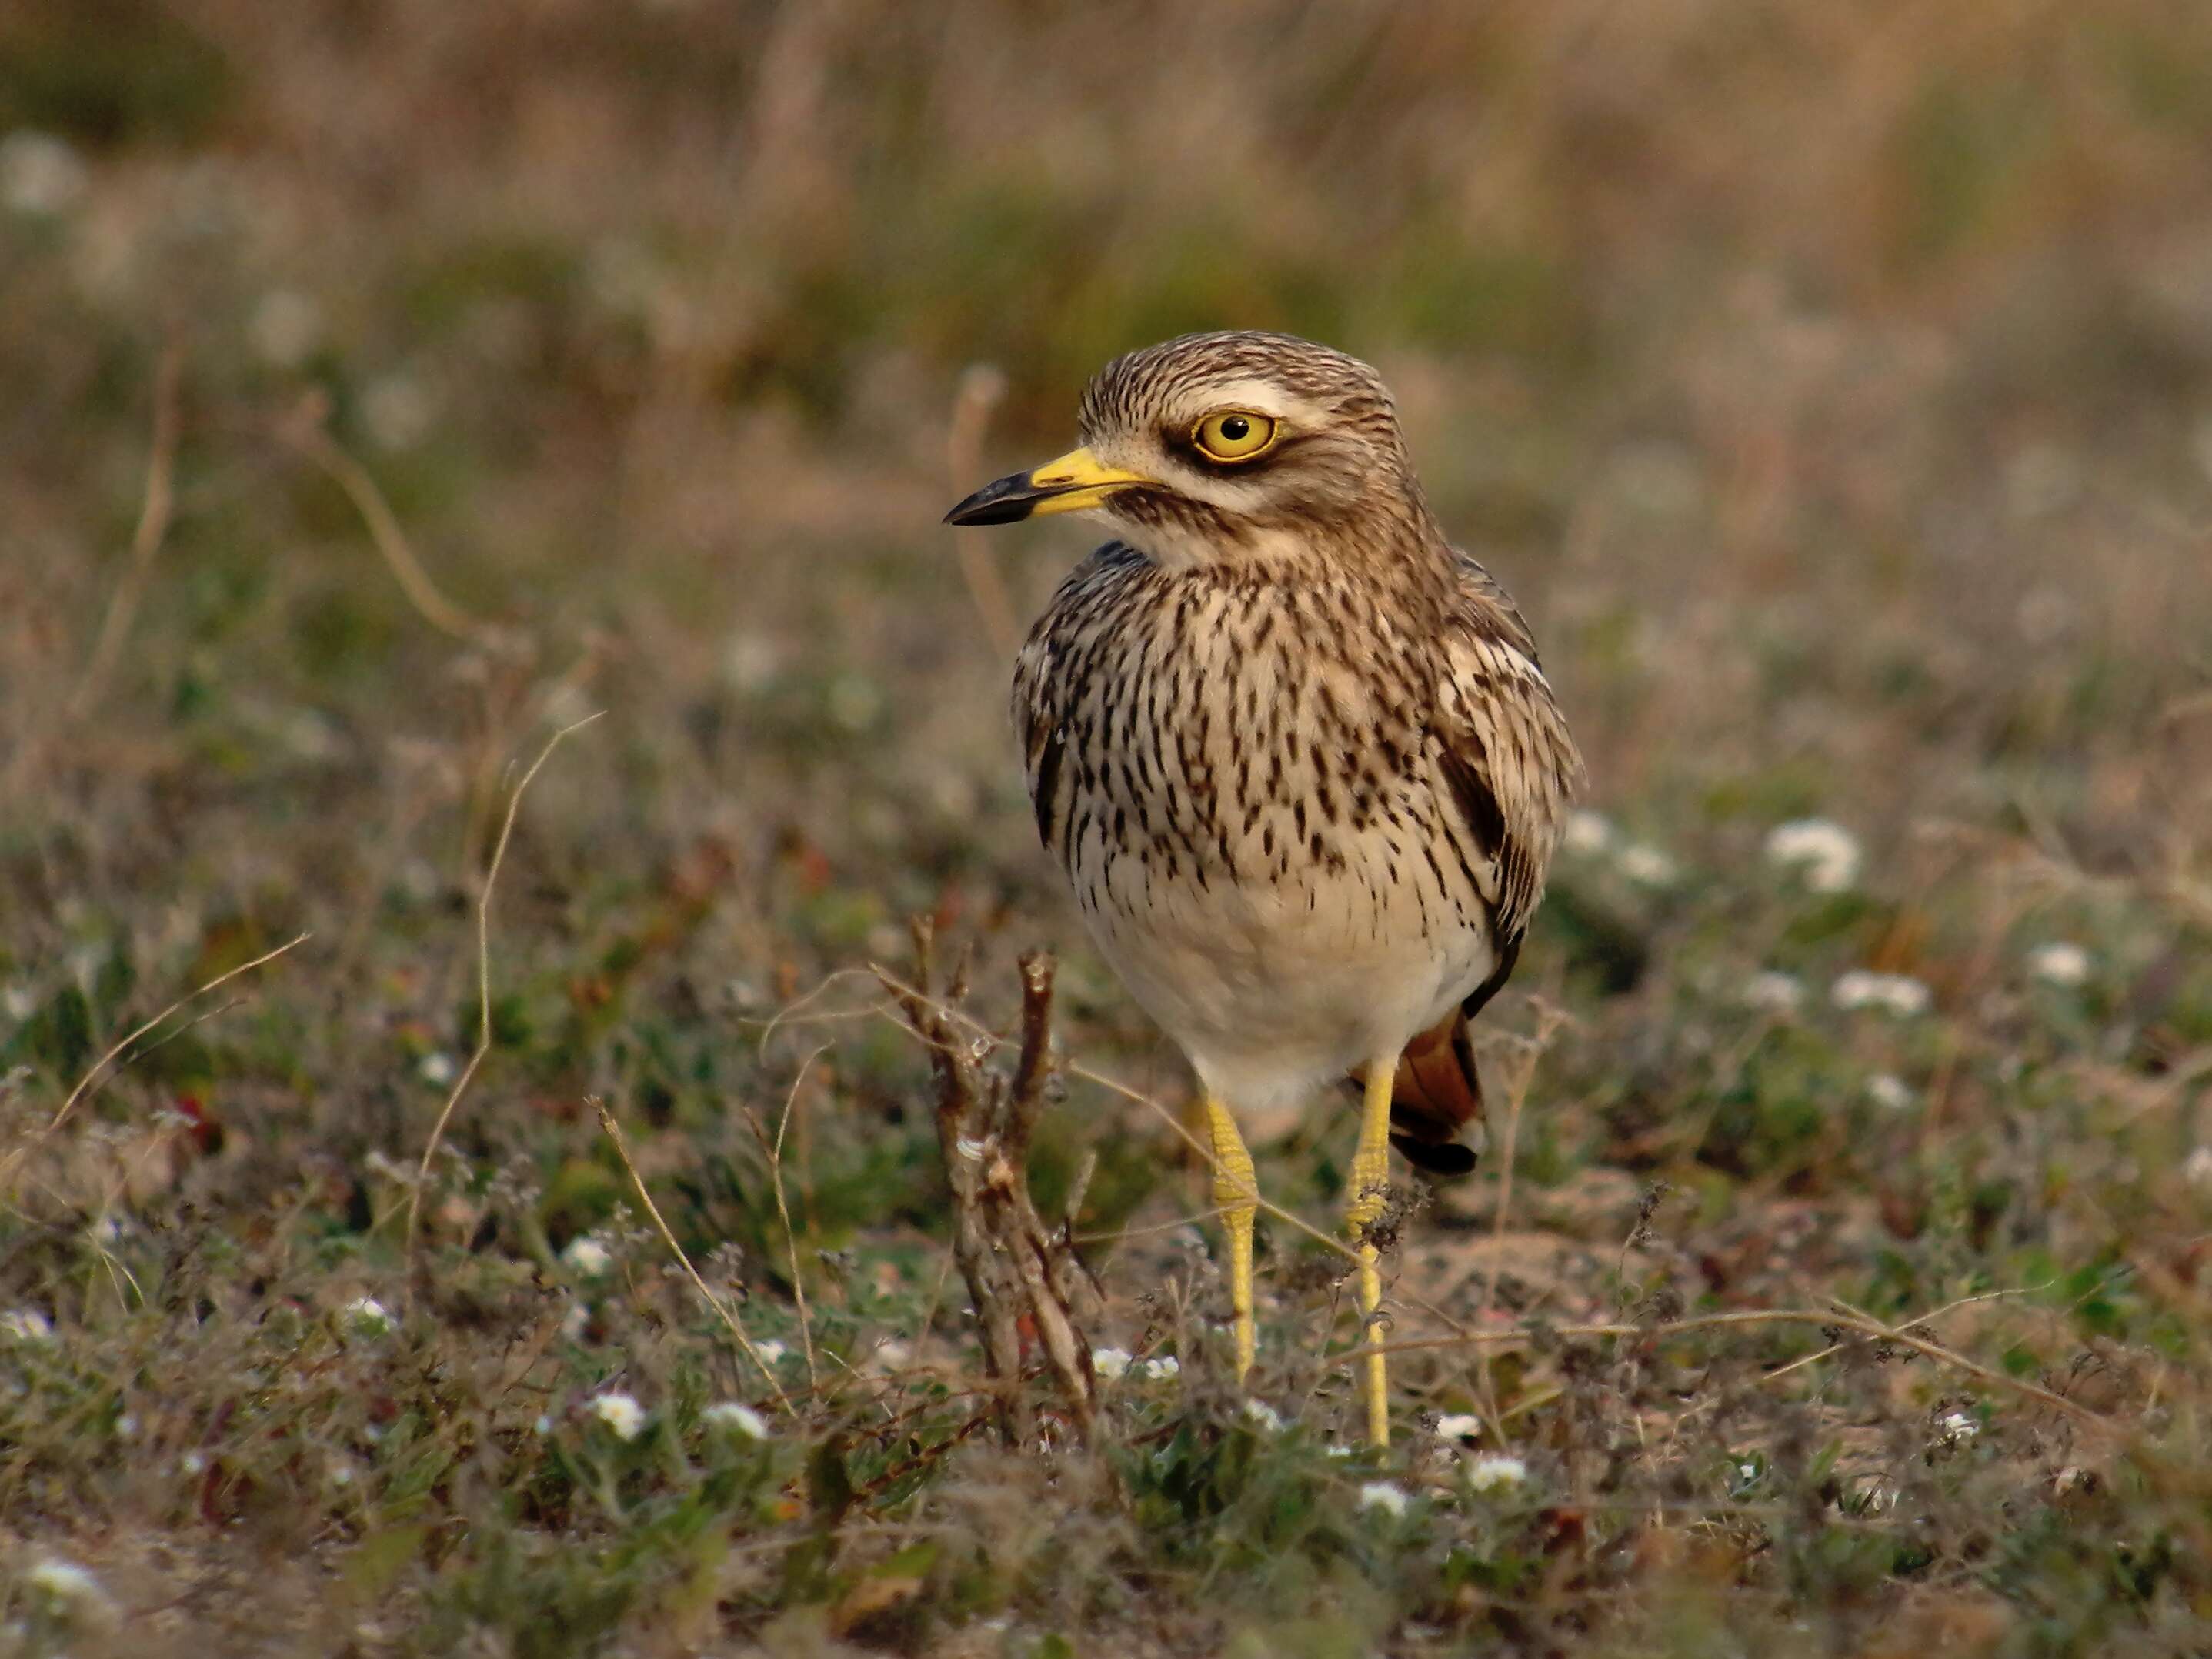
x: 1077, y: 480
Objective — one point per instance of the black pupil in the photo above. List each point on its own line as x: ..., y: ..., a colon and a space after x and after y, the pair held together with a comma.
x: 1235, y: 428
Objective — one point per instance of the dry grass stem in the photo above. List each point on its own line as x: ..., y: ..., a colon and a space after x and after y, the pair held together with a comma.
x: 306, y: 432
x: 484, y: 984
x: 153, y: 528
x: 722, y: 1310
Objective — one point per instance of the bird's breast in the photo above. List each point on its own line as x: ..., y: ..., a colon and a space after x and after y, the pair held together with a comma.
x: 1241, y: 787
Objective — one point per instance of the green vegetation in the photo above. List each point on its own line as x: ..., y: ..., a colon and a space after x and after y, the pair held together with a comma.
x: 1836, y: 394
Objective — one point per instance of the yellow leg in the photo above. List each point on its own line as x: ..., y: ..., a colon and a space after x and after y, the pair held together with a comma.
x: 1237, y: 1190
x: 1371, y: 1191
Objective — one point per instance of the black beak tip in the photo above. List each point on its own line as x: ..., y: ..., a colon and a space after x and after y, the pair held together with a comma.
x: 1007, y: 502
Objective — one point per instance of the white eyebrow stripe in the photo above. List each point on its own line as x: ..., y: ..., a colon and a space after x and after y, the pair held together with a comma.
x: 1262, y: 397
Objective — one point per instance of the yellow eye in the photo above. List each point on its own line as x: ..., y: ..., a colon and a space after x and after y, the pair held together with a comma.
x: 1234, y: 434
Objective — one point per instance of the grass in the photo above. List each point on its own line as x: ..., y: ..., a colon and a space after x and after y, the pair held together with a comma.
x: 393, y: 392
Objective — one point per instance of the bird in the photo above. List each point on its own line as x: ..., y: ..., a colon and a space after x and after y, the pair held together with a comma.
x: 1295, y: 753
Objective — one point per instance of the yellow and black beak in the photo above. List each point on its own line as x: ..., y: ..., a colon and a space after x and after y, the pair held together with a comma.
x: 1074, y: 482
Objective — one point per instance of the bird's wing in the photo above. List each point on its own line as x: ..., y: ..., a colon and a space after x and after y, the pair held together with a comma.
x: 1503, y: 751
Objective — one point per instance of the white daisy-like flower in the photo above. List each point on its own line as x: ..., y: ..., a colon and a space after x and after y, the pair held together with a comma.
x: 1159, y: 1371
x: 1384, y: 1496
x: 397, y: 410
x: 770, y: 1350
x: 39, y: 173
x: 1773, y: 992
x: 1268, y: 1419
x: 368, y: 1316
x: 65, y: 1581
x: 1894, y: 993
x: 1460, y: 1425
x: 70, y: 1592
x: 1495, y: 1472
x: 1110, y: 1363
x: 587, y: 1256
x: 1827, y: 853
x: 285, y: 328
x: 1890, y: 1092
x: 737, y: 1417
x: 1646, y: 866
x: 1586, y: 832
x: 26, y: 1325
x: 437, y: 1069
x: 1958, y: 1426
x: 623, y: 1416
x: 2059, y: 963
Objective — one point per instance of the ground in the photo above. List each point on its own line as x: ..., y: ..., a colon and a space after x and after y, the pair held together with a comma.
x: 391, y: 388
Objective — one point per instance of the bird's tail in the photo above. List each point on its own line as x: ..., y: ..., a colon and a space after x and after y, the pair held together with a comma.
x: 1436, y: 1100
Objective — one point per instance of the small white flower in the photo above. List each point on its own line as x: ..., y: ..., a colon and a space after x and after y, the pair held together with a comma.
x: 26, y: 1325
x: 1460, y: 1425
x: 587, y: 1256
x: 1773, y: 992
x: 1890, y: 1092
x: 368, y: 1316
x: 71, y: 1592
x: 770, y: 1350
x: 623, y: 1416
x: 126, y: 1427
x: 39, y: 173
x: 193, y: 1463
x: 1159, y: 1371
x: 2197, y: 1168
x: 1587, y: 832
x: 1645, y: 865
x: 1495, y: 1472
x: 341, y: 1472
x: 1109, y: 1363
x: 575, y: 1321
x: 437, y: 1069
x: 1894, y: 993
x: 1827, y: 853
x: 741, y: 1419
x: 285, y: 328
x: 397, y: 410
x: 1958, y: 1426
x: 543, y: 1426
x: 891, y: 1354
x: 1383, y: 1495
x: 1266, y: 1417
x: 2059, y: 963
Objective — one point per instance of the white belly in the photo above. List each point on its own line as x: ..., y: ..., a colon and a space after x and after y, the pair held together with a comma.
x: 1276, y: 990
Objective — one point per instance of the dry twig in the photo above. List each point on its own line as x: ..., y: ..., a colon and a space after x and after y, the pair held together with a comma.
x: 1014, y: 1267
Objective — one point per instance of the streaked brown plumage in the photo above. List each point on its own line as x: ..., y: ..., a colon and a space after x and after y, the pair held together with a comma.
x: 1295, y: 752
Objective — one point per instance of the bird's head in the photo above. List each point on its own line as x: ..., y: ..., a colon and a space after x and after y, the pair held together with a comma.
x: 1227, y: 448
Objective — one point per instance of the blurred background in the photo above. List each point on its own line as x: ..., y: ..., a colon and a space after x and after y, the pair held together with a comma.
x: 1833, y: 386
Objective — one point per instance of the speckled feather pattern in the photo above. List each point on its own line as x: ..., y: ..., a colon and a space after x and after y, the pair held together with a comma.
x: 1305, y: 785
